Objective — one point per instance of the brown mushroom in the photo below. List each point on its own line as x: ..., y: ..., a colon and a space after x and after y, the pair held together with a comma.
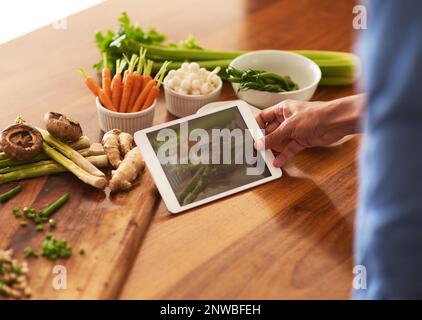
x: 62, y: 127
x: 21, y: 142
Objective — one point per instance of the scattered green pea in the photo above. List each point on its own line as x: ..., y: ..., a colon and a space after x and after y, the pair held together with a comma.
x: 23, y: 223
x: 17, y: 212
x: 39, y: 227
x: 52, y: 223
x: 28, y: 252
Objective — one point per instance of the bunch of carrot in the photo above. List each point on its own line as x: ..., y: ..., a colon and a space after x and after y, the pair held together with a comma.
x: 133, y: 92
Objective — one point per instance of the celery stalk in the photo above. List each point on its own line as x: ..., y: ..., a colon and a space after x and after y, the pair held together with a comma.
x: 208, y: 64
x: 336, y: 81
x: 177, y: 54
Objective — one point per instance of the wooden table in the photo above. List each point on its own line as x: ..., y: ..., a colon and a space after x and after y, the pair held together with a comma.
x: 290, y: 238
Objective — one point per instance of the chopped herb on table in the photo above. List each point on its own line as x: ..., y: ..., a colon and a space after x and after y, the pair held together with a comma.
x: 42, y: 216
x: 54, y: 249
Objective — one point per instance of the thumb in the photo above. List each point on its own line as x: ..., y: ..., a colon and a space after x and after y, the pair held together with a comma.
x: 275, y: 138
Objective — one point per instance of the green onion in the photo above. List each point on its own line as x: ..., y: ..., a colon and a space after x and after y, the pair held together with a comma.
x: 11, y: 193
x: 56, y: 205
x: 54, y: 249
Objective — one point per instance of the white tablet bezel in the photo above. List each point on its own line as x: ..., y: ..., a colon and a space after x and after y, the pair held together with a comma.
x: 160, y: 177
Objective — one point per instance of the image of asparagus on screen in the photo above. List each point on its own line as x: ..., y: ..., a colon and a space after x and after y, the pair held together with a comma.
x: 221, y: 167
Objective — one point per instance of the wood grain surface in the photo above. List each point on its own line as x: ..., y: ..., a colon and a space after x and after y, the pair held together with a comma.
x: 290, y: 238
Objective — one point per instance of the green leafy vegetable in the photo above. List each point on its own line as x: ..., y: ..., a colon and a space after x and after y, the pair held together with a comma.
x: 338, y: 68
x: 260, y: 80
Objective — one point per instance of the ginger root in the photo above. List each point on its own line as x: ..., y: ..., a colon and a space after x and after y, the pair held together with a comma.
x: 128, y: 170
x: 112, y: 147
x: 126, y: 143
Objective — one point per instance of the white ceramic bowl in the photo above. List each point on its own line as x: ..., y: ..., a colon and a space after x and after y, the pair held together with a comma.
x: 126, y: 122
x: 182, y: 105
x: 302, y: 70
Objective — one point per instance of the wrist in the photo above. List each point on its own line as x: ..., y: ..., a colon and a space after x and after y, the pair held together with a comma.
x: 345, y: 114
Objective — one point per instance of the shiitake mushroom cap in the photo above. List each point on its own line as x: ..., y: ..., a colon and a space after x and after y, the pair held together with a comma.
x: 62, y: 127
x: 21, y: 141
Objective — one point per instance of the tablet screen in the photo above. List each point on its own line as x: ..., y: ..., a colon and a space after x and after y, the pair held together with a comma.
x: 209, y: 155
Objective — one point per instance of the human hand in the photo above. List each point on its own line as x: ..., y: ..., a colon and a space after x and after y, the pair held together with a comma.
x: 297, y: 125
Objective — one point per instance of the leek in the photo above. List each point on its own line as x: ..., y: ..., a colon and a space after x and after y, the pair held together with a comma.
x: 95, y: 181
x: 70, y: 153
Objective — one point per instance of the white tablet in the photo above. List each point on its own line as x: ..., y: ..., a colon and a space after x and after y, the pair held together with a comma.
x: 205, y: 157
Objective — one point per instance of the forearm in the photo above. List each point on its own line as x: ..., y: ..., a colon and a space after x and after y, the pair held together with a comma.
x: 345, y: 114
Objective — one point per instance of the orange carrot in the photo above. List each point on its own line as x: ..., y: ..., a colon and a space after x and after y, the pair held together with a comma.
x: 116, y: 91
x: 125, y: 74
x: 105, y: 100
x: 90, y: 83
x: 127, y: 89
x: 153, y: 94
x: 106, y: 77
x: 143, y: 96
x: 151, y: 91
x: 137, y: 87
x: 116, y: 84
x: 138, y: 79
x: 147, y: 73
x: 147, y: 84
x: 146, y: 80
x: 127, y: 85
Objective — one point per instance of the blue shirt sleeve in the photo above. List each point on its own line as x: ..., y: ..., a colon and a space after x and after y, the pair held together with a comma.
x: 388, y: 240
